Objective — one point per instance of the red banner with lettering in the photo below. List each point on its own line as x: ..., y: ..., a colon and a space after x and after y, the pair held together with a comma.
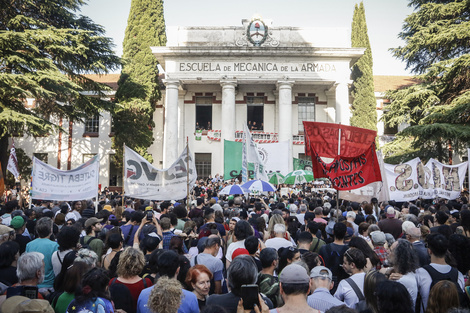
x: 354, y: 163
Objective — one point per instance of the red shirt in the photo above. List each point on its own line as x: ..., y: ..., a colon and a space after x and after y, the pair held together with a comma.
x: 134, y: 288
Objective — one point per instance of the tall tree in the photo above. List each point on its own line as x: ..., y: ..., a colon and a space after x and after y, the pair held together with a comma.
x: 45, y: 48
x: 364, y: 106
x: 436, y: 48
x: 139, y: 88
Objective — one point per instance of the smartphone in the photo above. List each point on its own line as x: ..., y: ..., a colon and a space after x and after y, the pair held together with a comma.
x: 250, y: 296
x: 30, y: 292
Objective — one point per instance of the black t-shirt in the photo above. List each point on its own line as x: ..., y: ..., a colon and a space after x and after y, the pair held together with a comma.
x: 8, y: 275
x: 22, y: 241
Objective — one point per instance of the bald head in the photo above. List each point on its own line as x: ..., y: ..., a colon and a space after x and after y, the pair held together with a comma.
x: 414, y: 233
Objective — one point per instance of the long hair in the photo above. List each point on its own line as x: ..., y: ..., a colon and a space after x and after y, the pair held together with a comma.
x: 393, y: 297
x: 442, y: 297
x: 405, y: 258
x: 372, y: 279
x: 93, y: 285
x: 361, y: 244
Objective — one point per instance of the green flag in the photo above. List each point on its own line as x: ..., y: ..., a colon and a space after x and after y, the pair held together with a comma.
x: 302, y: 164
x: 233, y: 160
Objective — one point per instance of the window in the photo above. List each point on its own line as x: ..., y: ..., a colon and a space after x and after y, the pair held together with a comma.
x: 87, y: 157
x: 115, y: 171
x: 306, y: 111
x: 92, y: 125
x: 203, y: 113
x: 41, y: 156
x: 203, y: 164
x: 255, y: 111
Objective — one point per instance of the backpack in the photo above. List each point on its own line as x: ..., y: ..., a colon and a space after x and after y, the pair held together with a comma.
x: 86, y: 245
x: 362, y: 304
x: 452, y: 276
x: 335, y: 259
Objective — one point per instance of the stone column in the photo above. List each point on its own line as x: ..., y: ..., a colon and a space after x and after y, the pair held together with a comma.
x: 342, y: 103
x: 228, y: 109
x: 285, y: 109
x: 170, y: 131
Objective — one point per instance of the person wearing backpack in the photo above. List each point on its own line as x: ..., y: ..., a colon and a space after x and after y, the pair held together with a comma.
x: 92, y: 228
x: 332, y: 254
x: 351, y: 290
x: 438, y: 270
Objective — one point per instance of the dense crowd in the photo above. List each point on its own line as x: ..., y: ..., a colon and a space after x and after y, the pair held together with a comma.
x: 304, y: 251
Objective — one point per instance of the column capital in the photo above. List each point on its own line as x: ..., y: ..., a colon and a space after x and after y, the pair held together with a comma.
x: 284, y: 84
x: 227, y: 82
x: 175, y: 83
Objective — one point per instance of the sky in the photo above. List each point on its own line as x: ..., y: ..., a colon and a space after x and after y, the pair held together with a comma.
x: 384, y: 19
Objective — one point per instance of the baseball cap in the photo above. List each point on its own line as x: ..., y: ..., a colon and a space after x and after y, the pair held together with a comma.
x: 112, y: 217
x: 321, y: 271
x: 5, y: 230
x: 92, y: 221
x: 294, y: 274
x: 108, y: 208
x: 17, y: 222
x: 239, y: 251
x: 20, y: 304
x: 378, y: 237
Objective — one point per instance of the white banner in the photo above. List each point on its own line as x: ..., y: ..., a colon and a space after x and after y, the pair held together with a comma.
x: 144, y: 181
x: 251, y: 155
x: 49, y: 183
x: 13, y: 162
x: 275, y: 156
x: 412, y: 180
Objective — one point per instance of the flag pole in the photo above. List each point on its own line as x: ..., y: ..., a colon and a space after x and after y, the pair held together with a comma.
x: 187, y: 173
x: 337, y: 191
x: 123, y: 173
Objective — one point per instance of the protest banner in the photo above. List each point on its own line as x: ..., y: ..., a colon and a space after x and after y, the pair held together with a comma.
x: 352, y: 149
x: 412, y: 180
x: 12, y: 165
x: 144, y: 181
x: 275, y: 157
x: 53, y: 184
x: 300, y: 164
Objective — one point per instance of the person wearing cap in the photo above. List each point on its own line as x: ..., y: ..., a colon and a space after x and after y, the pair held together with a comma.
x: 378, y: 240
x: 6, y: 234
x: 354, y: 262
x: 92, y: 228
x: 321, y: 282
x: 47, y: 247
x: 20, y: 304
x: 391, y: 224
x: 18, y: 223
x: 294, y: 287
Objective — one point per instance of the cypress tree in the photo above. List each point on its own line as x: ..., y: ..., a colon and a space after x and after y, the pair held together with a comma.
x: 436, y: 37
x: 138, y: 90
x: 364, y: 112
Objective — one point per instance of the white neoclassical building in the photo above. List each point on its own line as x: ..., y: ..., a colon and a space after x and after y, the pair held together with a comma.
x: 217, y: 79
x: 272, y: 78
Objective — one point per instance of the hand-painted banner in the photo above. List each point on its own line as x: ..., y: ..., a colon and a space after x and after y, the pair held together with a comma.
x: 12, y: 165
x: 50, y: 183
x: 144, y: 181
x: 354, y: 162
x: 412, y: 180
x: 275, y: 157
x: 302, y: 164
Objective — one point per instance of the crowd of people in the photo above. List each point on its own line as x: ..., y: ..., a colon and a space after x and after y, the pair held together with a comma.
x: 304, y: 252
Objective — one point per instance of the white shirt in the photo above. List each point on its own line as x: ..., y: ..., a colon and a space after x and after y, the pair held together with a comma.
x: 346, y: 293
x: 409, y: 281
x: 278, y: 242
x: 234, y: 246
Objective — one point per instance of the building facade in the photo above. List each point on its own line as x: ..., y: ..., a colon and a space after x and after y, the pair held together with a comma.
x: 217, y: 79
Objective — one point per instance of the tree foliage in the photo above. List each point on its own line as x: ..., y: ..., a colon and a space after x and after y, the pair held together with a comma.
x: 139, y: 88
x: 45, y: 48
x: 364, y: 112
x: 436, y: 48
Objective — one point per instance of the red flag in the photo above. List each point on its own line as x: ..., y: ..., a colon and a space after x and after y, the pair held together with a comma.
x: 354, y: 161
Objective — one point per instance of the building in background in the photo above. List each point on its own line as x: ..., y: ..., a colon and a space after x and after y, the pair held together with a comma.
x: 215, y: 80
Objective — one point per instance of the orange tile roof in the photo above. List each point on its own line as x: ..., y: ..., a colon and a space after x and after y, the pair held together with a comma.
x: 108, y: 79
x: 383, y: 83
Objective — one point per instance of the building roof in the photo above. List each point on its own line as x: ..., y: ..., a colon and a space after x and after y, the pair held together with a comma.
x: 382, y: 83
x: 108, y: 79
